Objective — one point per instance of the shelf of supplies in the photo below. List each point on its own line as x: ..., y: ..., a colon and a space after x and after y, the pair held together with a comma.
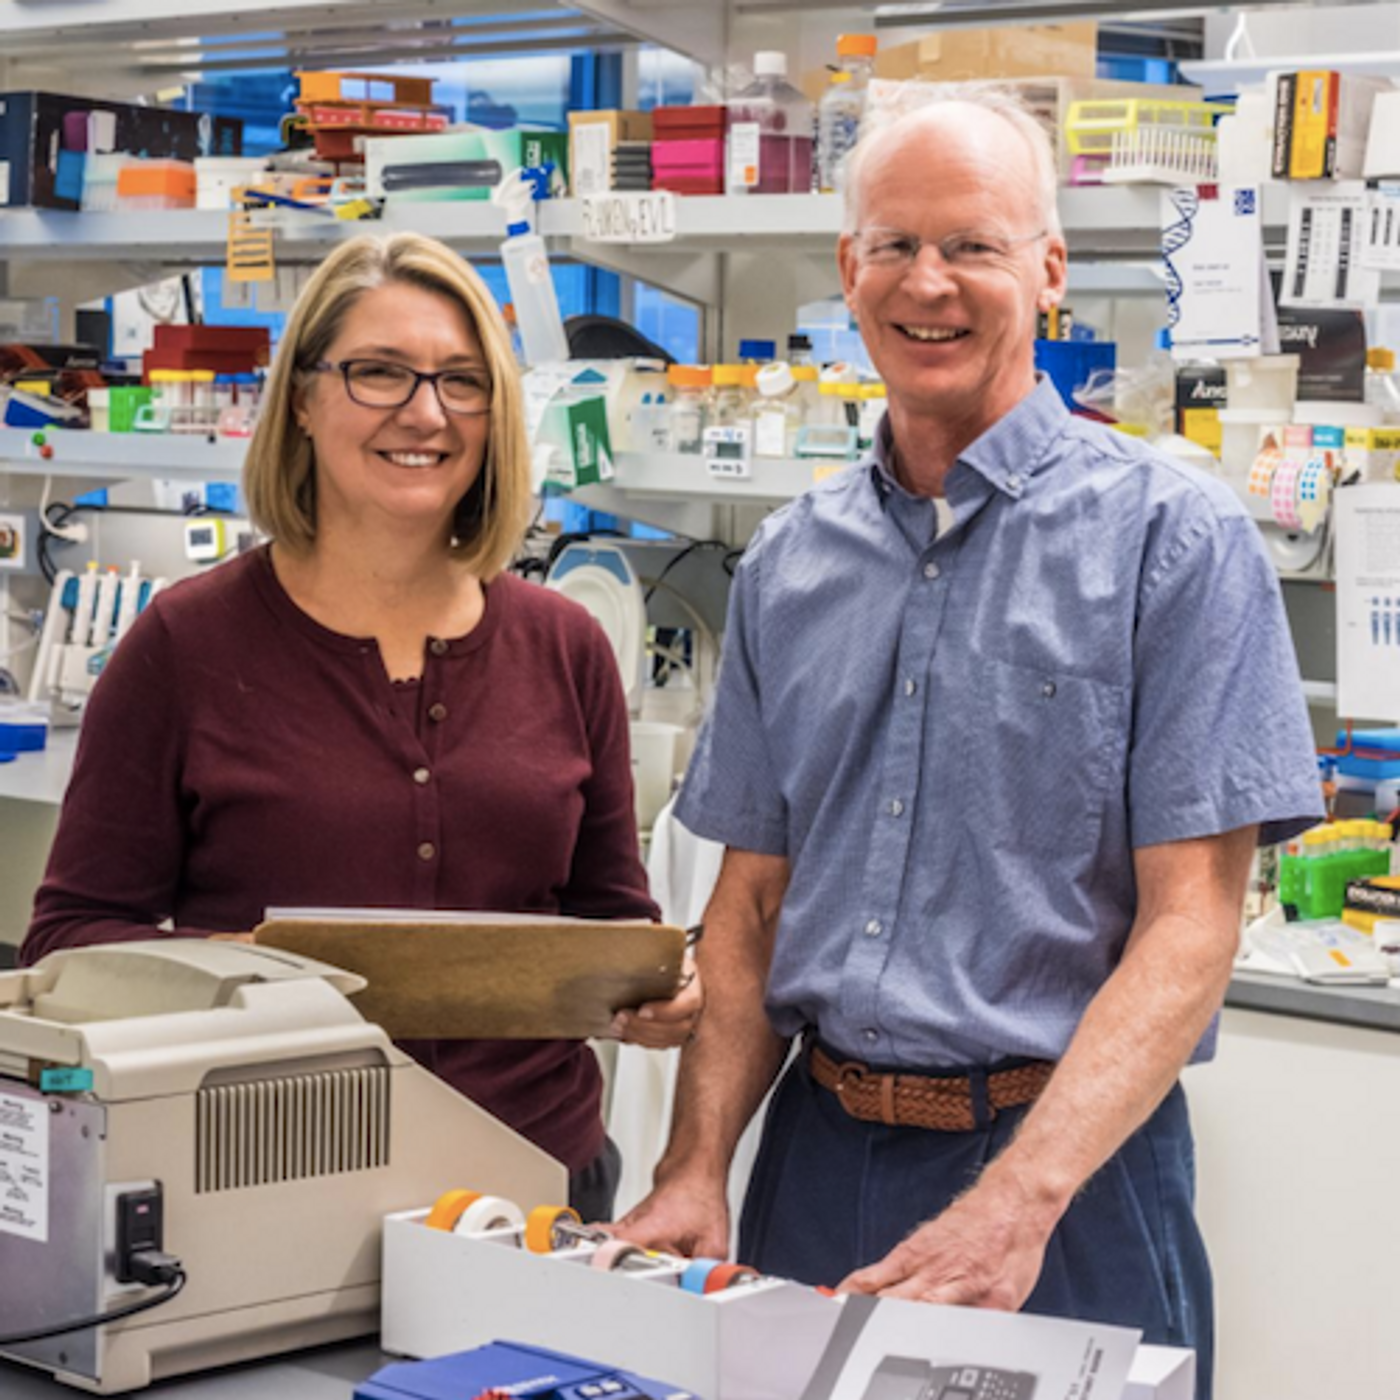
x: 200, y: 236
x: 772, y: 479
x: 121, y: 456
x: 1109, y: 221
x: 1226, y: 75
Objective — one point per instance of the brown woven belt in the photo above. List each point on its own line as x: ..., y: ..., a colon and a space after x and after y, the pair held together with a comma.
x: 942, y: 1104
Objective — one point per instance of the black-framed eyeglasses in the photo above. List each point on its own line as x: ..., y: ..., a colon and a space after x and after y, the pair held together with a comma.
x: 384, y: 384
x: 967, y: 251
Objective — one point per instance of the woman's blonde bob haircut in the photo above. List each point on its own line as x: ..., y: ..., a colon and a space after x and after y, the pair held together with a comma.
x: 280, y: 472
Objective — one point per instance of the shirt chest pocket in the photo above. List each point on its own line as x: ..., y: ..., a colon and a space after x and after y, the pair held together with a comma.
x: 1042, y: 759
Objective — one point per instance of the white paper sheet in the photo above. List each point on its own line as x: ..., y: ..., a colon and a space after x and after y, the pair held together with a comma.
x: 1368, y: 601
x: 891, y: 1349
x: 1218, y: 302
x: 1327, y: 236
x: 1382, y: 250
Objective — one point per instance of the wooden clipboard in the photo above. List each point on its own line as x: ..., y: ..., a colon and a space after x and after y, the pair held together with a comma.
x: 487, y: 976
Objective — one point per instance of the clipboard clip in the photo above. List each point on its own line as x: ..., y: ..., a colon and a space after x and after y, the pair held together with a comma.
x: 694, y: 934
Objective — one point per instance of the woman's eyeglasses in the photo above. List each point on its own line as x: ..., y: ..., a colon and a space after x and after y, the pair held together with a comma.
x: 383, y: 384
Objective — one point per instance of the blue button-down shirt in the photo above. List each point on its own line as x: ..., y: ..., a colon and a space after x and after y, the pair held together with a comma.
x: 958, y: 737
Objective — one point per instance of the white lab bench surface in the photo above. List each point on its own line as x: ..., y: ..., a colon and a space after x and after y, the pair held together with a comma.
x: 40, y: 777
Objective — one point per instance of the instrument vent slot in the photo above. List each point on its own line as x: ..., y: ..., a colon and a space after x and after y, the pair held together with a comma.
x: 264, y: 1131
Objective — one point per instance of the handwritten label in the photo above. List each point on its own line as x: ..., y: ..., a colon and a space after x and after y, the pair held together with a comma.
x: 642, y: 216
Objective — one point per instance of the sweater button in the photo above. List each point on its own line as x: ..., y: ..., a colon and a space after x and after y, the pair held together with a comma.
x: 427, y: 851
x: 437, y: 646
x: 437, y: 712
x: 421, y: 776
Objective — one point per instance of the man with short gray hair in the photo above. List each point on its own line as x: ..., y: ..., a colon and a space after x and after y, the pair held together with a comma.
x: 1004, y: 711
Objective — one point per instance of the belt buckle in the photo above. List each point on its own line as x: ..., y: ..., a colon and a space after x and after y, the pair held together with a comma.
x: 849, y: 1074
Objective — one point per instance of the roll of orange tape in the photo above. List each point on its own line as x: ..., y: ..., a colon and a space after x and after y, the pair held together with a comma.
x: 540, y: 1227
x: 447, y: 1209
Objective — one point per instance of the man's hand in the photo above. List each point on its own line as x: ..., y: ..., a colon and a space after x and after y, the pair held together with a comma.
x: 985, y: 1251
x: 686, y: 1215
x: 660, y: 1025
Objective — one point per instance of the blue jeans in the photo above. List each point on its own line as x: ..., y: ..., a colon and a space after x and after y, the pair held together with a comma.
x: 830, y: 1194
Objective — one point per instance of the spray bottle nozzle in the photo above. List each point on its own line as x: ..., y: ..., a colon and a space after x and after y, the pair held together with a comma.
x: 517, y: 191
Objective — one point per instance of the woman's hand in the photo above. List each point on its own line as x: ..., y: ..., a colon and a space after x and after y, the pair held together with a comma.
x: 660, y: 1025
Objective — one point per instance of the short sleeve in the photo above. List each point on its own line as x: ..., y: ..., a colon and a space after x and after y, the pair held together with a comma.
x: 1221, y: 736
x: 729, y: 793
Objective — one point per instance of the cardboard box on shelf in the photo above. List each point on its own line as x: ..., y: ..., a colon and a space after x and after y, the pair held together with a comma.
x: 593, y: 137
x: 1321, y: 121
x: 953, y: 55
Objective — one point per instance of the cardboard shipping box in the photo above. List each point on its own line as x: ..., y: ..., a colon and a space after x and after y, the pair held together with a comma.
x: 952, y: 55
x: 593, y: 137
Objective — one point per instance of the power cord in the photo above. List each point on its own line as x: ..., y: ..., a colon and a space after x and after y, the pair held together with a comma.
x: 150, y: 1267
x: 684, y: 553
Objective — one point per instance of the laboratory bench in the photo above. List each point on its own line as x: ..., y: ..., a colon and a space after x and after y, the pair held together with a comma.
x: 1372, y: 1008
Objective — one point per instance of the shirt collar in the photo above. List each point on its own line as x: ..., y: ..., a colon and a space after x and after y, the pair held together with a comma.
x: 1011, y: 451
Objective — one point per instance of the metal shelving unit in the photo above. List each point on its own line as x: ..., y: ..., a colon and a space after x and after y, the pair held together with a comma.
x: 1106, y: 222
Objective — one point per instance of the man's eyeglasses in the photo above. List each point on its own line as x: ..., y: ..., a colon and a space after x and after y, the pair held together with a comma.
x: 383, y: 384
x: 967, y: 252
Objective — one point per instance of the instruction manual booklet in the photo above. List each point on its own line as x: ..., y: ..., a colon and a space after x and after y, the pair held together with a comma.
x: 895, y: 1349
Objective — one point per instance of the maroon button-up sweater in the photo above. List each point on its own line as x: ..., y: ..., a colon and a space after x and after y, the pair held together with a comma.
x: 237, y: 756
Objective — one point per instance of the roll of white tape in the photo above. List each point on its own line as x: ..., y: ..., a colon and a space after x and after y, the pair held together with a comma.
x: 490, y: 1213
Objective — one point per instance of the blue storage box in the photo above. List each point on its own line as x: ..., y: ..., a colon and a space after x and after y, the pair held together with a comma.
x: 1069, y: 363
x: 1373, y: 769
x: 24, y: 728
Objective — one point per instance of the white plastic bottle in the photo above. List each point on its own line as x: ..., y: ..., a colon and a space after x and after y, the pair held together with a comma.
x: 770, y: 133
x: 542, y: 338
x: 842, y: 106
x: 778, y: 412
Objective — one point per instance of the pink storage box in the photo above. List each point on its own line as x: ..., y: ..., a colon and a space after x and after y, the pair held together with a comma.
x: 695, y: 159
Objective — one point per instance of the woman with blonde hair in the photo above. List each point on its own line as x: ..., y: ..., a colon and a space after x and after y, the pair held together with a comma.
x: 368, y: 711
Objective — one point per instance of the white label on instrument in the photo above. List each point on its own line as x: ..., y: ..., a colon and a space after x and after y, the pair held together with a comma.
x: 726, y: 452
x: 641, y: 216
x: 24, y: 1168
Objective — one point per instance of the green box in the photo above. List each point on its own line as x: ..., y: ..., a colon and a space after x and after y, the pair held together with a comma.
x: 123, y: 402
x: 578, y: 430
